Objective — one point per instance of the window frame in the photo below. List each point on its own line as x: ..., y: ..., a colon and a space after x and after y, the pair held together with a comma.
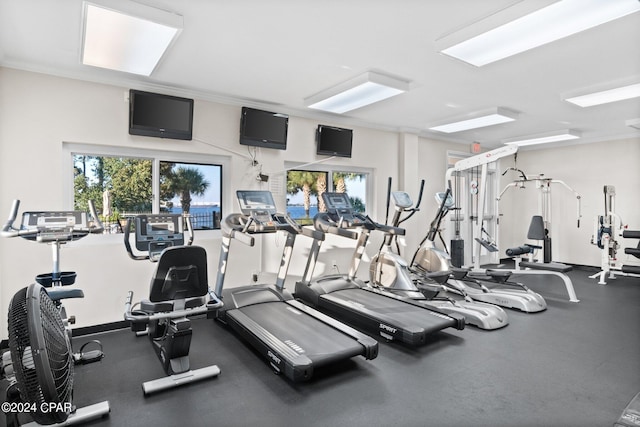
x: 332, y: 168
x: 69, y: 149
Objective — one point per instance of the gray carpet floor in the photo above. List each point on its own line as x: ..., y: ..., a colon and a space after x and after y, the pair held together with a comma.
x: 575, y: 364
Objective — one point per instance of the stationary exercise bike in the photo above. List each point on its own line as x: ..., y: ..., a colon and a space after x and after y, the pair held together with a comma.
x: 40, y: 363
x: 57, y: 228
x: 179, y: 288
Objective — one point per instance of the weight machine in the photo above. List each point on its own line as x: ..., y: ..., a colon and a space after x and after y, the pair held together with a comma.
x: 532, y: 268
x: 606, y: 228
x: 544, y: 185
x: 481, y: 160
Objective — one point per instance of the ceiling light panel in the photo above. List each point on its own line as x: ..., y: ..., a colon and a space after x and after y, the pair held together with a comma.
x: 606, y: 96
x: 132, y: 40
x: 363, y: 90
x: 478, y: 120
x: 634, y: 123
x: 544, y: 138
x: 551, y: 23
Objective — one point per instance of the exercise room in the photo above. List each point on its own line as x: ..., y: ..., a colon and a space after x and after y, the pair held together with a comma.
x: 363, y: 213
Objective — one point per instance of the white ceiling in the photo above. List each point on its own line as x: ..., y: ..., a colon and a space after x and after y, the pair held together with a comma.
x: 273, y: 54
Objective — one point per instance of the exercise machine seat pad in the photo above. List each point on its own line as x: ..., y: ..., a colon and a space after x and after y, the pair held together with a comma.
x: 181, y: 273
x: 536, y: 228
x: 633, y: 269
x: 631, y: 234
x: 59, y: 293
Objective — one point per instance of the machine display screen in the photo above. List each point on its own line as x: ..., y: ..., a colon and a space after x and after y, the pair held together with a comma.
x: 337, y: 200
x: 167, y: 228
x: 53, y: 220
x: 256, y: 200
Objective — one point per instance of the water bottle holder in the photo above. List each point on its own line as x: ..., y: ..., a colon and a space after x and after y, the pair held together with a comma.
x: 65, y: 278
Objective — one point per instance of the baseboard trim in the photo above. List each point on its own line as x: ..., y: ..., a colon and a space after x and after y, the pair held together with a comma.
x: 96, y: 329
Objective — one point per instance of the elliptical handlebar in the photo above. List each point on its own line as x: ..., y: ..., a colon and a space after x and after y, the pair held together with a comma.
x: 416, y: 208
x: 127, y: 245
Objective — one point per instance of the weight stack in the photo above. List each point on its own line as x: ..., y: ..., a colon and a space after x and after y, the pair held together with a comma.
x: 457, y: 252
x: 547, y: 249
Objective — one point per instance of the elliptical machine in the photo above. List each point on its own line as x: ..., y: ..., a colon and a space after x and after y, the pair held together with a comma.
x: 469, y: 283
x: 428, y: 287
x: 179, y: 288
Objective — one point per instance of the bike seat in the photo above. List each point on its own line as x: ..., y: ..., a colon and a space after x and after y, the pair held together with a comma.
x: 56, y: 294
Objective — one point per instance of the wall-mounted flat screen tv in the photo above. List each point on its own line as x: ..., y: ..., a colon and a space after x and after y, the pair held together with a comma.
x: 161, y: 116
x: 263, y: 128
x: 333, y: 141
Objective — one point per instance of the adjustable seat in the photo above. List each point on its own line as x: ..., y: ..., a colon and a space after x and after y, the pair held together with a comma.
x: 180, y: 280
x: 631, y: 234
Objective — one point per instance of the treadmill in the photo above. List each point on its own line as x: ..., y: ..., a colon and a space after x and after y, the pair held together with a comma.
x: 352, y: 301
x: 293, y: 337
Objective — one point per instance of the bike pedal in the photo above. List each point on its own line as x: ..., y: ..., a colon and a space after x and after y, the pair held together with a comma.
x: 86, y: 357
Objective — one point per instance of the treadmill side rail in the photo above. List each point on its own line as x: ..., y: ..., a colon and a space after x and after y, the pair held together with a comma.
x: 281, y: 357
x: 370, y: 345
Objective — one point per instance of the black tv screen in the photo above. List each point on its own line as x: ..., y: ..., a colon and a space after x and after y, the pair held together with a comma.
x: 161, y: 116
x: 263, y: 129
x: 332, y: 141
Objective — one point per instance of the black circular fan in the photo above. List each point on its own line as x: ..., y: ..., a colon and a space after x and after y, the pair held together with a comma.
x: 41, y: 354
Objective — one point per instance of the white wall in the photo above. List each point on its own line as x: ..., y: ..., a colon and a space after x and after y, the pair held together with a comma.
x: 38, y: 113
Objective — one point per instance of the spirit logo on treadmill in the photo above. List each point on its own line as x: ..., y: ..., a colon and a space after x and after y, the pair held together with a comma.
x: 388, y: 328
x: 273, y: 357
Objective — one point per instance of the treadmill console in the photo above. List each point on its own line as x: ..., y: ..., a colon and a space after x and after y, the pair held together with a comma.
x: 156, y: 232
x: 341, y: 210
x: 260, y: 207
x: 52, y: 225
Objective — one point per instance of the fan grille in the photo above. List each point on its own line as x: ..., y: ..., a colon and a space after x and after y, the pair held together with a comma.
x: 40, y: 350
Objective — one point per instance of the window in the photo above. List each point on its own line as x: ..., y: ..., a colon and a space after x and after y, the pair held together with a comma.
x: 122, y: 186
x: 305, y: 187
x: 194, y: 189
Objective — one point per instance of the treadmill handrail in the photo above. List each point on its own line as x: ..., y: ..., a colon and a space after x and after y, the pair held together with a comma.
x: 323, y: 221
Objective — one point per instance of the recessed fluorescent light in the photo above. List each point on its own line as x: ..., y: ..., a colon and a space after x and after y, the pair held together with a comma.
x: 133, y: 40
x: 544, y: 138
x: 362, y: 90
x: 551, y: 23
x: 606, y: 96
x: 479, y: 120
x: 634, y: 123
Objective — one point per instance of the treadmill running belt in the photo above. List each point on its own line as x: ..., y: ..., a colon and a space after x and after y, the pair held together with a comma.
x: 302, y: 333
x: 369, y: 309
